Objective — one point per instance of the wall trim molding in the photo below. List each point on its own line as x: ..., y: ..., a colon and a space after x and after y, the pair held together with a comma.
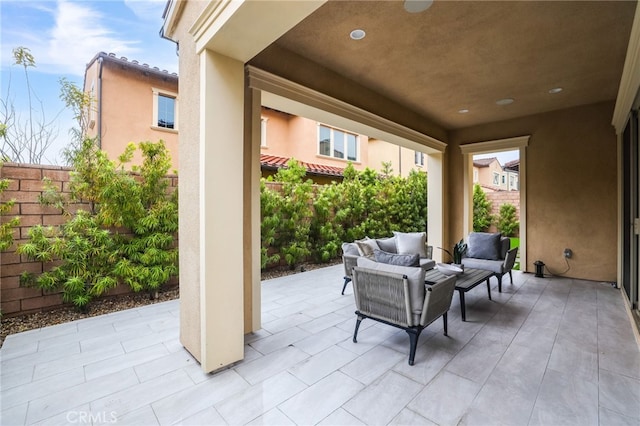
x: 263, y: 80
x: 498, y: 145
x: 630, y: 80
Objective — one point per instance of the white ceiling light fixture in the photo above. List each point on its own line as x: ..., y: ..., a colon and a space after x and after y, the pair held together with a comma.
x: 357, y: 34
x: 505, y: 101
x: 555, y: 90
x: 417, y: 6
x: 463, y: 111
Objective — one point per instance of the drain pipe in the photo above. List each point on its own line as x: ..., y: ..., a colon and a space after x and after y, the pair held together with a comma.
x: 100, y: 60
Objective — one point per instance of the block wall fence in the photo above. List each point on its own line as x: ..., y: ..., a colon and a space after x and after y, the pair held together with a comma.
x: 499, y: 198
x: 25, y: 187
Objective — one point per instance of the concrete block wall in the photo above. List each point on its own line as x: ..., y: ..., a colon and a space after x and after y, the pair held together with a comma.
x: 25, y: 187
x: 499, y: 198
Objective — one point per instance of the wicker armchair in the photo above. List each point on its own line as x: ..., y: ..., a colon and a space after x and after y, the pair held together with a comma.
x: 397, y: 296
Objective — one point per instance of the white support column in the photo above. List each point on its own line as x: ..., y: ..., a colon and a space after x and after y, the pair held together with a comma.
x: 467, y: 191
x: 252, y: 243
x: 436, y: 202
x: 221, y: 205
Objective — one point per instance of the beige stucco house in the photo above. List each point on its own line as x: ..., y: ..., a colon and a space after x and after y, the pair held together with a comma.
x: 492, y: 176
x: 458, y: 79
x: 313, y: 142
x: 132, y: 102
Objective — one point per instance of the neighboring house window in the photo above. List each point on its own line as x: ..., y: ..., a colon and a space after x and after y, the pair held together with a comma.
x: 165, y: 109
x: 475, y: 175
x: 263, y: 131
x: 419, y: 158
x: 337, y: 143
x: 504, y: 179
x: 496, y: 178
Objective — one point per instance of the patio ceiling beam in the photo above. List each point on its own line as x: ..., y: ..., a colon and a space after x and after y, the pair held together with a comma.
x: 241, y: 29
x: 294, y: 98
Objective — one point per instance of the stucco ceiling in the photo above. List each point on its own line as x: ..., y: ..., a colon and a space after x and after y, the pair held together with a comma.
x: 469, y: 54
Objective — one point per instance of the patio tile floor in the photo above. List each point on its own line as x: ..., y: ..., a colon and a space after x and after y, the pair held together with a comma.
x: 546, y: 351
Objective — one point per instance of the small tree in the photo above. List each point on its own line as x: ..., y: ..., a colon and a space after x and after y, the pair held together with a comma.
x: 25, y: 140
x: 482, y: 217
x: 81, y: 104
x: 507, y: 223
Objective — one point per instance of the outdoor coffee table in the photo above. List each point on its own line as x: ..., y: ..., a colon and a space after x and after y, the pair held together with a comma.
x: 464, y: 282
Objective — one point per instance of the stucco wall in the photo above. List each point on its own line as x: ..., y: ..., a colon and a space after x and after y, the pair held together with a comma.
x: 189, y: 186
x: 296, y: 137
x: 571, y: 188
x: 127, y: 109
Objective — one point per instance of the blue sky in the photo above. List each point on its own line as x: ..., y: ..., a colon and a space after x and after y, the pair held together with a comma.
x: 64, y: 35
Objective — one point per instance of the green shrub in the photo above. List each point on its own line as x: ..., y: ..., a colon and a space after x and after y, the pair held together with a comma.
x: 482, y: 218
x: 287, y: 216
x: 125, y: 235
x: 507, y: 223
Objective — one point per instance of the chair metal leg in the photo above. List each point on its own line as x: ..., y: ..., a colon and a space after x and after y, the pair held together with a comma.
x: 346, y: 281
x: 355, y: 332
x: 413, y: 342
x: 499, y: 277
x: 489, y: 288
x: 444, y: 321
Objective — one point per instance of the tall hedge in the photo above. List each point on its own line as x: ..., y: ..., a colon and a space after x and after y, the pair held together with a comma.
x: 365, y: 203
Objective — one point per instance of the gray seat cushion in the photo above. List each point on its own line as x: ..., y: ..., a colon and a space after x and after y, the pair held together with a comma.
x: 487, y: 265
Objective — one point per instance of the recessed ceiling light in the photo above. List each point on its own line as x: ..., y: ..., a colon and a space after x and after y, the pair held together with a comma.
x: 505, y: 101
x: 357, y: 34
x: 463, y: 111
x: 417, y: 6
x: 555, y: 90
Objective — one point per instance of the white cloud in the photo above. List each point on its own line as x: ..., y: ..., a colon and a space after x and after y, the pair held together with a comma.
x: 148, y: 10
x: 77, y: 35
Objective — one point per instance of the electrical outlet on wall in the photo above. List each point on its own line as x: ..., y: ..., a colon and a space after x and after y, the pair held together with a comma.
x: 567, y: 253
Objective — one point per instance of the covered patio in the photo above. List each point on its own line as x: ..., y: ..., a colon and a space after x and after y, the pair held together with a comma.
x: 544, y: 351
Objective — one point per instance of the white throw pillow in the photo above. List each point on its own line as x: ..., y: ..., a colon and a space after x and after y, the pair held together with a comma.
x: 411, y: 243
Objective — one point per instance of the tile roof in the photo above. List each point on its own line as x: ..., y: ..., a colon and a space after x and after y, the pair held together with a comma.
x: 513, y: 165
x: 484, y: 162
x: 273, y: 162
x: 111, y: 57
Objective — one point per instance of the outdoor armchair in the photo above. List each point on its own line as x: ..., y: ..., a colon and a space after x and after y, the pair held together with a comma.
x: 491, y: 252
x: 397, y: 296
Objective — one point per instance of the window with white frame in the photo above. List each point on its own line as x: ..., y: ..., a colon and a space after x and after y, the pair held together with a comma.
x: 419, y: 158
x: 263, y: 131
x: 496, y: 178
x: 337, y: 143
x: 165, y: 109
